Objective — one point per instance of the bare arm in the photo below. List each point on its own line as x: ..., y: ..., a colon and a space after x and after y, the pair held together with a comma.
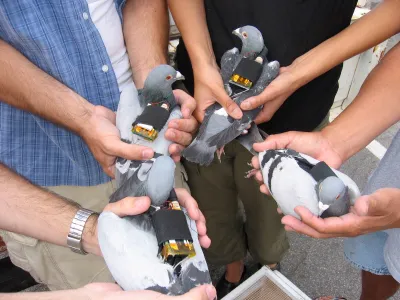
x: 375, y: 109
x: 146, y: 32
x: 370, y: 30
x: 191, y: 20
x: 33, y: 211
x: 25, y: 86
x: 375, y: 27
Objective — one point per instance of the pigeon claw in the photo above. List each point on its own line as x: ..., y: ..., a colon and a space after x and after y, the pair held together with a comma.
x: 220, y: 152
x: 251, y: 173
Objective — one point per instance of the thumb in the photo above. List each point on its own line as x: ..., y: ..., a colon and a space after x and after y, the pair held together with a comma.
x: 203, y: 292
x: 230, y: 106
x: 278, y: 141
x: 129, y: 206
x: 270, y: 93
x: 128, y: 151
x: 376, y: 204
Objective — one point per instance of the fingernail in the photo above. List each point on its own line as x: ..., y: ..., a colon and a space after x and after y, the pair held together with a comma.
x: 245, y: 104
x: 237, y: 113
x: 141, y: 200
x: 211, y: 293
x: 148, y: 153
x: 173, y: 124
x: 172, y: 134
x: 186, y: 112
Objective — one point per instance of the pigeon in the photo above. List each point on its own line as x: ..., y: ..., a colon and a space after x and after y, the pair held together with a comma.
x: 296, y: 179
x: 130, y: 245
x: 218, y: 128
x: 157, y: 87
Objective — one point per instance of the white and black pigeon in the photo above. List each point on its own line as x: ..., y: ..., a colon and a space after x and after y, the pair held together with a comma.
x: 218, y: 128
x: 295, y: 179
x: 131, y: 245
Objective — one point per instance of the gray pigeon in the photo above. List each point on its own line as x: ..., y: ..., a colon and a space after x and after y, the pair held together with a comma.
x: 218, y: 128
x: 131, y: 245
x: 295, y: 179
x: 157, y: 87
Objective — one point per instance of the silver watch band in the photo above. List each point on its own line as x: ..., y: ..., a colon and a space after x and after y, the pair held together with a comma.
x: 74, y: 239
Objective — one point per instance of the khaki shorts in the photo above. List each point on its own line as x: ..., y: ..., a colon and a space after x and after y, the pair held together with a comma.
x: 58, y: 267
x: 217, y: 188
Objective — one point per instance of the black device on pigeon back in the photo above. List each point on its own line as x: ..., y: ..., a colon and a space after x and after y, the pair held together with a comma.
x: 172, y: 231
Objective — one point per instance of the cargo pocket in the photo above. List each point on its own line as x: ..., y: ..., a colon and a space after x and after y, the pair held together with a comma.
x: 181, y: 177
x: 16, y: 245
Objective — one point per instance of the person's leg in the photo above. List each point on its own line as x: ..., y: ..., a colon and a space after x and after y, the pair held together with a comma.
x: 377, y: 287
x: 214, y: 189
x: 266, y: 236
x: 58, y: 267
x: 366, y: 252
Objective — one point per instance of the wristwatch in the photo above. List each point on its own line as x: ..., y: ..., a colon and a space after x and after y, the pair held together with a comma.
x: 74, y: 239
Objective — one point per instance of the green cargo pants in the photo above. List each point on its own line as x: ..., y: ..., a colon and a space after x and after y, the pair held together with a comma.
x: 217, y: 188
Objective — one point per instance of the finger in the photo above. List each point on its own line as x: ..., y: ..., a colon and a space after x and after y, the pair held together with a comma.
x: 189, y: 125
x: 255, y: 162
x: 230, y: 106
x: 293, y: 224
x: 187, y: 103
x: 269, y: 94
x: 110, y: 171
x: 265, y: 115
x: 333, y: 226
x: 279, y: 210
x: 128, y: 151
x: 129, y: 206
x: 203, y: 292
x: 277, y: 141
x: 188, y: 202
x: 205, y: 241
x: 179, y: 137
x: 259, y: 178
x: 264, y: 189
x: 175, y: 150
x: 102, y: 287
x: 199, y: 114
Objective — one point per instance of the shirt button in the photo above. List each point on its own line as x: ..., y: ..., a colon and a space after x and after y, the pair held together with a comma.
x: 104, y: 68
x: 85, y: 15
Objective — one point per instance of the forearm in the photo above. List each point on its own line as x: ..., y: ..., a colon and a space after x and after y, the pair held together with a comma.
x: 38, y: 213
x: 375, y: 109
x: 146, y: 32
x: 25, y: 86
x: 370, y: 30
x: 190, y: 18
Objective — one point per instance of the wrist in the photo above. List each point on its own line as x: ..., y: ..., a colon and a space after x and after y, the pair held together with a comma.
x: 90, y: 242
x: 301, y: 71
x: 335, y: 141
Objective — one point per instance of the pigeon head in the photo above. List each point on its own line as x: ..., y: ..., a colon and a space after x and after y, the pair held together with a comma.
x: 252, y: 41
x: 159, y: 82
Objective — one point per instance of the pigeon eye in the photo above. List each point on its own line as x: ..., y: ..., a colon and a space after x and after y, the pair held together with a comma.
x: 244, y: 35
x: 168, y: 77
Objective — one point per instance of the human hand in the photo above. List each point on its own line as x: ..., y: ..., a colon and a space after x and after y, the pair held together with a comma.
x: 181, y: 131
x: 131, y: 206
x: 208, y: 89
x: 103, y: 139
x: 314, y: 144
x: 110, y: 291
x: 370, y: 213
x: 274, y: 95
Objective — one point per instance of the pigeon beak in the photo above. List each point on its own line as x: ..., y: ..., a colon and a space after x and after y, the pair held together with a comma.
x: 237, y: 32
x: 179, y: 76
